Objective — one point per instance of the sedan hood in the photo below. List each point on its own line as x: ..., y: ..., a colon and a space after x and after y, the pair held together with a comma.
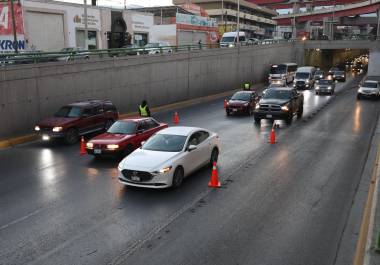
x: 56, y: 121
x: 274, y: 101
x: 146, y: 160
x: 111, y: 138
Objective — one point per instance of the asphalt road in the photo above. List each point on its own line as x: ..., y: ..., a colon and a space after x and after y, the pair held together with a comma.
x: 282, y: 204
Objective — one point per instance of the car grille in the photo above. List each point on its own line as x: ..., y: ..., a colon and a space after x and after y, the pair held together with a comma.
x: 46, y: 129
x: 300, y: 83
x: 276, y: 78
x: 99, y: 146
x: 266, y: 107
x: 143, y: 175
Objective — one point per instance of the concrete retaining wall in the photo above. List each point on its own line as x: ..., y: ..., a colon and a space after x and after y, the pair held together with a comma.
x: 32, y: 92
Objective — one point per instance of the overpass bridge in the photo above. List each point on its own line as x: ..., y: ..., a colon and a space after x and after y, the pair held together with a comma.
x: 341, y: 44
x: 286, y: 4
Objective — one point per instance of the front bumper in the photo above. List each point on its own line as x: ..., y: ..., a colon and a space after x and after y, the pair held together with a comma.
x: 302, y: 86
x: 274, y: 115
x: 104, y: 152
x: 277, y: 81
x: 47, y: 135
x: 237, y: 109
x: 160, y: 181
x: 368, y: 94
x: 324, y: 90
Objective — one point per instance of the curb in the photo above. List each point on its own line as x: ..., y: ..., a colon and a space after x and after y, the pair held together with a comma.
x: 11, y: 142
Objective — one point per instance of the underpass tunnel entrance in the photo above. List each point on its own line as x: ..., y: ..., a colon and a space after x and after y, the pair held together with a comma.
x: 327, y: 58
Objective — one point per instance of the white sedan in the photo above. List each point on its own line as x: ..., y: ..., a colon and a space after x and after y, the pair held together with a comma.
x: 168, y: 157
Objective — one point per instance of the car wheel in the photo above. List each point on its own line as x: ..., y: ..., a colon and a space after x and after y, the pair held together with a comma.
x: 108, y: 124
x: 257, y: 120
x: 228, y: 113
x: 289, y: 120
x: 177, y: 177
x: 358, y: 97
x: 214, y: 156
x: 300, y: 113
x: 71, y: 136
x: 317, y: 93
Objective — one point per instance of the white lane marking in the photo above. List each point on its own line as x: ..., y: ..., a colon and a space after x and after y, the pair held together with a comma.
x: 19, y: 220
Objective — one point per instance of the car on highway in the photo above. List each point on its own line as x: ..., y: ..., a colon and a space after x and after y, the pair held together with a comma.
x: 369, y: 89
x: 242, y: 102
x: 123, y: 137
x: 339, y: 76
x: 304, y: 78
x: 155, y: 48
x: 330, y: 74
x: 168, y: 157
x: 319, y: 74
x: 279, y: 104
x: 76, y: 119
x: 325, y: 86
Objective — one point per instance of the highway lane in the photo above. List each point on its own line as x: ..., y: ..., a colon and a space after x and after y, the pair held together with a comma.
x: 59, y: 208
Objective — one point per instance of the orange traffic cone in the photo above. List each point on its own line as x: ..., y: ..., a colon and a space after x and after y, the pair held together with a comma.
x: 272, y: 136
x: 82, y: 147
x: 225, y: 103
x: 214, y: 182
x: 175, y: 118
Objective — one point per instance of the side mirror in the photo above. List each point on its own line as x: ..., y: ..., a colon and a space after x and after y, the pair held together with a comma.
x: 143, y: 142
x: 191, y: 148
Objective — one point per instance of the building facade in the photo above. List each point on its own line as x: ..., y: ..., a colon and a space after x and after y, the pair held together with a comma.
x: 256, y: 21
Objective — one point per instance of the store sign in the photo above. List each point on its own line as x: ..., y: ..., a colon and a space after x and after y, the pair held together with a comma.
x: 195, y: 20
x: 92, y: 21
x: 6, y: 27
x: 7, y: 43
x: 141, y: 22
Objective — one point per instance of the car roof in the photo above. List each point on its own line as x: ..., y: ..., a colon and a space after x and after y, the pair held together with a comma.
x: 244, y: 92
x: 137, y: 119
x: 281, y: 88
x: 87, y: 103
x: 180, y: 130
x: 371, y: 81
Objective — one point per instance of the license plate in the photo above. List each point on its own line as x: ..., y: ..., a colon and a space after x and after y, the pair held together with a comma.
x: 269, y: 116
x: 97, y: 151
x: 135, y: 178
x: 234, y: 110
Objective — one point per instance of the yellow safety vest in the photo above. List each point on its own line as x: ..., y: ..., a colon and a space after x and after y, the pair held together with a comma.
x: 143, y: 111
x: 246, y: 86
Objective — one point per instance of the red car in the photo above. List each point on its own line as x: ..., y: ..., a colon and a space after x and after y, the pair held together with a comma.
x: 242, y: 102
x: 77, y: 119
x: 124, y: 136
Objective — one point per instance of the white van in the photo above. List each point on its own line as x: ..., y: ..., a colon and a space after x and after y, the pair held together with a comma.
x: 282, y: 74
x: 304, y: 78
x: 229, y: 39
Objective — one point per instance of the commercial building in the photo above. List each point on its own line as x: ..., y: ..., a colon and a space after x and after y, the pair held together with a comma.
x: 177, y: 25
x: 256, y: 21
x: 51, y: 26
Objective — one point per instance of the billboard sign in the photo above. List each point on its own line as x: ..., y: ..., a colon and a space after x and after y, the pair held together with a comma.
x: 6, y: 27
x: 195, y: 20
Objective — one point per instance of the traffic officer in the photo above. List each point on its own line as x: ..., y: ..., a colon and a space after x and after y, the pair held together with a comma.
x: 247, y: 86
x: 144, y: 109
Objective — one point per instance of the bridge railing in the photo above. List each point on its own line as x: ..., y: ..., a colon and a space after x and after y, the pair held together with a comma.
x: 32, y: 57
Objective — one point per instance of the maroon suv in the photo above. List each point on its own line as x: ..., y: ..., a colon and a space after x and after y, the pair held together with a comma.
x: 76, y: 119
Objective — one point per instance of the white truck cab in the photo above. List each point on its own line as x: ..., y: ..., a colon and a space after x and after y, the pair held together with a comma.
x: 229, y: 39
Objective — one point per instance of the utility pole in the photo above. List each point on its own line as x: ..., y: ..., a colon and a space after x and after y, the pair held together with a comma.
x: 15, y: 42
x: 85, y: 26
x: 333, y: 22
x: 378, y: 25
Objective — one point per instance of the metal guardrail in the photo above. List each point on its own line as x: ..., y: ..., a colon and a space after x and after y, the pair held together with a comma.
x: 30, y: 57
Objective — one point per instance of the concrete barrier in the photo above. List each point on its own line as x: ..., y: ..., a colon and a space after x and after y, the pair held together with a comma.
x: 31, y: 92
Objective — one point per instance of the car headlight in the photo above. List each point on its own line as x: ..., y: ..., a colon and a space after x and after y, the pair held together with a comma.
x: 90, y: 145
x: 317, y: 88
x: 246, y: 104
x: 307, y: 81
x: 321, y: 76
x: 163, y: 170
x: 231, y: 45
x: 57, y: 129
x: 112, y: 146
x: 37, y: 128
x: 285, y: 108
x: 257, y: 106
x: 329, y: 88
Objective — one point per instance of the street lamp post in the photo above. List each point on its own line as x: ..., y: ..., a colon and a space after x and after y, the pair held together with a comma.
x: 85, y: 26
x: 333, y: 22
x: 378, y: 25
x: 238, y: 22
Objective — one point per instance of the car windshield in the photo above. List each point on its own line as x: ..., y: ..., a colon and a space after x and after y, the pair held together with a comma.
x: 123, y: 127
x: 228, y: 39
x: 370, y: 84
x: 69, y: 112
x: 325, y: 82
x: 278, y: 69
x: 300, y: 75
x: 152, y: 45
x: 339, y: 73
x: 165, y: 143
x: 277, y: 94
x: 241, y: 96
